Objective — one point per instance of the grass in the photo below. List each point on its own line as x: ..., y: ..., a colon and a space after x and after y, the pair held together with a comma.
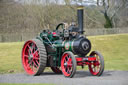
x: 10, y: 57
x: 113, y: 48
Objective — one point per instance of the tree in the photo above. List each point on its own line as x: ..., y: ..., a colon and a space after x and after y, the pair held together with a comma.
x: 110, y: 10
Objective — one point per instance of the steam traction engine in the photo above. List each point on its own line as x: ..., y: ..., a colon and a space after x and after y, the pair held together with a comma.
x: 64, y: 48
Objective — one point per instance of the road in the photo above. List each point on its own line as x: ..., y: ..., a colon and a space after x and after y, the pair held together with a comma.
x: 81, y: 78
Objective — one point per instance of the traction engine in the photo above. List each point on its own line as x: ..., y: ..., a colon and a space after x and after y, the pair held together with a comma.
x: 62, y: 50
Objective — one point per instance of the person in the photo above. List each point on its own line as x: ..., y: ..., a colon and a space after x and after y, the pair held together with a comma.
x: 73, y: 29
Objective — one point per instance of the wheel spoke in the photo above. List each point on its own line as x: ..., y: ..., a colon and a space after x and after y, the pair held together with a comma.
x: 64, y: 61
x: 30, y: 63
x: 30, y: 48
x: 35, y: 68
x: 70, y: 61
x: 70, y: 65
x: 26, y: 56
x: 28, y: 67
x: 33, y: 47
x: 94, y: 69
x: 68, y: 57
x: 98, y: 68
x: 35, y: 58
x: 32, y: 66
x: 36, y: 52
x: 68, y: 71
x: 29, y: 52
x: 37, y: 62
x: 35, y: 55
x: 97, y: 63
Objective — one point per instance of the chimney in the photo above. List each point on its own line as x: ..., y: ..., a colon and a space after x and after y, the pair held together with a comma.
x: 80, y: 11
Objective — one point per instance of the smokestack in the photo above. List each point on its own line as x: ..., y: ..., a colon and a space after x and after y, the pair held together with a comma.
x: 80, y: 12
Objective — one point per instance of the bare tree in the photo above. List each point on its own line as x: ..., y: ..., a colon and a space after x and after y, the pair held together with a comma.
x: 110, y: 10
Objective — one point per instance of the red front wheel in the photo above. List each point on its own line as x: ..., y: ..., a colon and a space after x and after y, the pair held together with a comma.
x: 96, y: 67
x: 34, y: 57
x: 68, y: 64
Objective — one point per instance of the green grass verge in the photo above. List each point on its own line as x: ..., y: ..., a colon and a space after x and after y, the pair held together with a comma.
x: 113, y: 48
x: 10, y: 57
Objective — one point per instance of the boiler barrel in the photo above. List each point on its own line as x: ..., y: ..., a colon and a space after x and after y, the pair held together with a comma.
x: 80, y: 46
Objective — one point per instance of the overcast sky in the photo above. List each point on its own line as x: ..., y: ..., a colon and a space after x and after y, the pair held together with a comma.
x: 85, y: 2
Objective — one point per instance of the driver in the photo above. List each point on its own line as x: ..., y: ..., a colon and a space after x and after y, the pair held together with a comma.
x: 73, y: 29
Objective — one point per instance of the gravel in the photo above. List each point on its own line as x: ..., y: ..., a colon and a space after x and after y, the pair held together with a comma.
x: 81, y: 78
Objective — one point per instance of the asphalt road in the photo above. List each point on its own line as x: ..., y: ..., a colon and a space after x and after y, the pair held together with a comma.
x: 81, y: 78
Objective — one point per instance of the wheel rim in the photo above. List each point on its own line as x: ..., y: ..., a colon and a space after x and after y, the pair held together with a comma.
x: 95, y: 66
x: 30, y: 57
x: 66, y: 64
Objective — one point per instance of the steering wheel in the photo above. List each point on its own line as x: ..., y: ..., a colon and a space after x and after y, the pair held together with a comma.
x: 60, y: 32
x: 62, y: 26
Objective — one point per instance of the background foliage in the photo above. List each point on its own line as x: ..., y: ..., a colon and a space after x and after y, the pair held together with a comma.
x: 16, y: 16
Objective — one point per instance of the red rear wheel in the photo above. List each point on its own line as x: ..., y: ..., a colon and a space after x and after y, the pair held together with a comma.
x: 33, y: 59
x: 56, y: 70
x: 68, y: 64
x: 96, y: 68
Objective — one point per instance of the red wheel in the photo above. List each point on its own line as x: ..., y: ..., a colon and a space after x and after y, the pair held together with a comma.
x: 34, y: 57
x: 68, y: 64
x: 96, y: 68
x: 56, y: 70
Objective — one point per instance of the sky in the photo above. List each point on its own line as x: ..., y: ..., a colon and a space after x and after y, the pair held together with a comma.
x: 85, y: 2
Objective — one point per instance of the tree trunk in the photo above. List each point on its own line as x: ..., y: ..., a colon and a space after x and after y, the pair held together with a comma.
x: 108, y: 23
